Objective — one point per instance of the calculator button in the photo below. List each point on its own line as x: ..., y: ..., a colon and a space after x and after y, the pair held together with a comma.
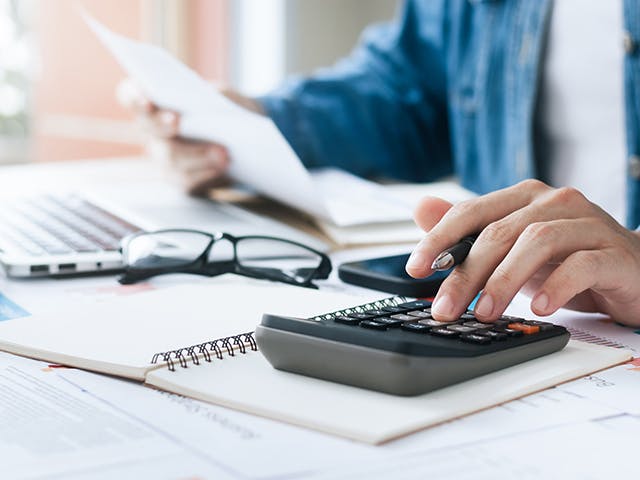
x: 493, y: 335
x: 415, y: 327
x: 478, y: 325
x: 544, y: 326
x: 468, y: 316
x: 360, y: 316
x: 389, y: 322
x: 346, y: 320
x: 500, y: 323
x: 373, y: 324
x: 430, y: 322
x: 461, y: 328
x: 419, y: 314
x: 475, y: 338
x: 394, y: 309
x: 511, y: 319
x: 512, y: 333
x: 403, y: 317
x: 416, y: 304
x: 526, y: 329
x: 444, y: 332
x: 376, y: 313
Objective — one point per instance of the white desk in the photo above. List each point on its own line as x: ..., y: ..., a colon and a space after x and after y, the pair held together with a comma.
x: 108, y: 428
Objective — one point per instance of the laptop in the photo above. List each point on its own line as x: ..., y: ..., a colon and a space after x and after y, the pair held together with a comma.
x: 71, y: 233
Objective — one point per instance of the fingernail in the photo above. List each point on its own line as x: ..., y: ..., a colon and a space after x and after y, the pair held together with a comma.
x: 443, y: 306
x: 417, y: 260
x: 168, y: 118
x: 540, y: 302
x: 213, y: 154
x: 484, y: 307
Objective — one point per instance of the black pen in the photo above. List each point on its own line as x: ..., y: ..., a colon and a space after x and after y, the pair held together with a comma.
x: 454, y: 255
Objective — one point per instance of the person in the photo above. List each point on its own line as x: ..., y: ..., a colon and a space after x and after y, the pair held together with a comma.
x: 533, y: 104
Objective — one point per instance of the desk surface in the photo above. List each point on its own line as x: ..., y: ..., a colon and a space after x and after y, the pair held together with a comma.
x: 81, y: 425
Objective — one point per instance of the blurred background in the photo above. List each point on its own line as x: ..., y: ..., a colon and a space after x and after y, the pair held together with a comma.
x: 57, y: 83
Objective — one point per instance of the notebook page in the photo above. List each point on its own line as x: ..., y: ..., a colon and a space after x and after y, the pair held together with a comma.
x: 120, y: 336
x: 249, y: 383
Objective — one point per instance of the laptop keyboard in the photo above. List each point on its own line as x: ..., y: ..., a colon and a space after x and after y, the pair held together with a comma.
x: 59, y: 225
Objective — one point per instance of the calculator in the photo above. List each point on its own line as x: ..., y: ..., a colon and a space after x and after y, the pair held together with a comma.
x: 400, y: 348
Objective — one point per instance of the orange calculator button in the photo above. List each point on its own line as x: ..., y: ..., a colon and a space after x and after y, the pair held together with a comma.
x: 526, y: 329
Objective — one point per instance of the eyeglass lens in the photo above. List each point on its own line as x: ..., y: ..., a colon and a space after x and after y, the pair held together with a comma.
x: 271, y: 256
x: 165, y: 249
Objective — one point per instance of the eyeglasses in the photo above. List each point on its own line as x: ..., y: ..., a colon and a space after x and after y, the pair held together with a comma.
x: 147, y: 254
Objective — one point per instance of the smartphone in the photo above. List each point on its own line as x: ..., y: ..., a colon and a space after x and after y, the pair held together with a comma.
x: 388, y: 275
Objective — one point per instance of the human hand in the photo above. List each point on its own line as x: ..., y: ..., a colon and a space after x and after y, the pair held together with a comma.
x: 552, y: 243
x: 199, y: 164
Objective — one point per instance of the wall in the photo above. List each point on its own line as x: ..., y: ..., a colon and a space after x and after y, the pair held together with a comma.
x: 76, y: 113
x: 270, y: 39
x: 321, y: 31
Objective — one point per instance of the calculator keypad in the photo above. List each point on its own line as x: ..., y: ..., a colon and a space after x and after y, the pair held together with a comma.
x: 415, y: 317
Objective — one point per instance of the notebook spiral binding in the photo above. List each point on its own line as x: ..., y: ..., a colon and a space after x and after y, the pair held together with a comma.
x: 376, y: 305
x: 204, y: 350
x: 243, y: 340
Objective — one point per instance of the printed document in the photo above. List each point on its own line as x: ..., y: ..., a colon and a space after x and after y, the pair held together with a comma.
x: 262, y: 158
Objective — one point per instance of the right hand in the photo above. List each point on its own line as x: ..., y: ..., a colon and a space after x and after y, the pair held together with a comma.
x: 200, y: 165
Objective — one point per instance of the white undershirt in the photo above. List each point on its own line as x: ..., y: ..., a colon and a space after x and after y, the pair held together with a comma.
x: 581, y: 116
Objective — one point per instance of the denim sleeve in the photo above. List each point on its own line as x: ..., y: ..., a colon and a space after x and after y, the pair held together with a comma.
x: 382, y: 111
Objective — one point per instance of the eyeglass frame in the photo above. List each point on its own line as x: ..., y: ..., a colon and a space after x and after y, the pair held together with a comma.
x: 199, y: 265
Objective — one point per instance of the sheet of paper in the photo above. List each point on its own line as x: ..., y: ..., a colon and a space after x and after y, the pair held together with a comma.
x: 588, y: 327
x: 48, y: 427
x: 365, y: 202
x: 550, y: 408
x: 402, y: 195
x: 614, y: 388
x: 262, y: 158
x: 597, y: 449
x: 275, y: 449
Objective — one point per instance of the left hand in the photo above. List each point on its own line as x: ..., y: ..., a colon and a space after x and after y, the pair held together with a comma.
x: 551, y: 242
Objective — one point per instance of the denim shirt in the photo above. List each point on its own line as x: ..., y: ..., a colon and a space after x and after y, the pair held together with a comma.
x: 451, y: 87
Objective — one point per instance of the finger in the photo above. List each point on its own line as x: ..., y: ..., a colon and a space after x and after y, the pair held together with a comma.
x: 163, y: 123
x: 200, y: 182
x: 581, y: 270
x: 430, y: 211
x: 188, y: 156
x: 539, y: 244
x: 488, y: 251
x: 130, y: 96
x: 468, y: 217
x: 242, y: 100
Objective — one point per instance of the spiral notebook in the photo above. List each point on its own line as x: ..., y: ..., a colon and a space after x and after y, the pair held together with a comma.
x: 121, y: 336
x: 198, y: 341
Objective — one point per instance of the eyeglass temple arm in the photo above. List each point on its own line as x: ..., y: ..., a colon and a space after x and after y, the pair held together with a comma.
x: 220, y: 267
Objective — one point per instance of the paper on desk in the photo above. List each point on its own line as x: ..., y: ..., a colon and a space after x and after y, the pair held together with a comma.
x: 276, y: 450
x: 396, y: 232
x: 48, y: 427
x: 262, y: 158
x: 596, y: 449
